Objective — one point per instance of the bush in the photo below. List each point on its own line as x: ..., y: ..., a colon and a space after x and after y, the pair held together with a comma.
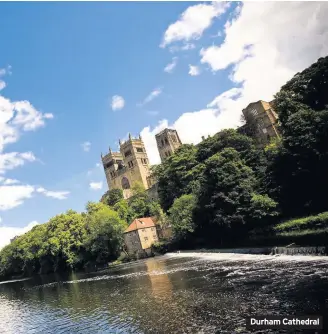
x: 319, y: 221
x: 160, y: 247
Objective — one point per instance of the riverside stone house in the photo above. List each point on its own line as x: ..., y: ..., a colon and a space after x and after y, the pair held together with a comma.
x: 140, y: 236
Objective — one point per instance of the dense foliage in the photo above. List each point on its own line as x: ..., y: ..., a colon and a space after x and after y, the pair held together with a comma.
x: 68, y: 241
x: 239, y: 186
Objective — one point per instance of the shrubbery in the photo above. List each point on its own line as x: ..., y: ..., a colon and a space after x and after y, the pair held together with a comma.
x: 318, y: 222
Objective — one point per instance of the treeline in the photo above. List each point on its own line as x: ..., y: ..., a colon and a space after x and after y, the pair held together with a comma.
x: 77, y: 241
x: 225, y: 188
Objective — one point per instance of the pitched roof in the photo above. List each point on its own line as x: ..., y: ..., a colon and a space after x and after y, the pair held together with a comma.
x: 140, y: 223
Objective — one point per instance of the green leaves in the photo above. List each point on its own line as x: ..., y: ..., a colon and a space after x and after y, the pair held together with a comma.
x: 181, y: 216
x: 67, y: 241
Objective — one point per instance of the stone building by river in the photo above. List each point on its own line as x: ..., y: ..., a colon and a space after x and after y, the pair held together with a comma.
x: 140, y: 236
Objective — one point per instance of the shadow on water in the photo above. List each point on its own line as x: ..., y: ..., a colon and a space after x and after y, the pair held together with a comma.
x: 177, y: 293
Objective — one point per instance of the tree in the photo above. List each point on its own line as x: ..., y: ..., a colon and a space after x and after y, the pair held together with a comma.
x: 177, y: 176
x: 181, y: 216
x: 112, y: 196
x: 224, y: 202
x: 104, y: 240
x: 253, y: 156
x: 138, y: 202
x: 297, y: 174
x: 122, y: 210
x: 309, y: 87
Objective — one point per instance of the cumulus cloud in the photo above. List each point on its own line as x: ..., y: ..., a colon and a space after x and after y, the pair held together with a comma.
x: 54, y: 194
x: 96, y: 185
x: 14, y: 195
x: 17, y: 117
x: 10, y: 181
x: 264, y: 51
x: 148, y: 137
x: 117, y: 103
x: 193, y: 22
x: 151, y: 96
x: 12, y: 160
x: 2, y: 84
x: 86, y: 146
x: 193, y: 70
x: 7, y: 233
x: 171, y: 66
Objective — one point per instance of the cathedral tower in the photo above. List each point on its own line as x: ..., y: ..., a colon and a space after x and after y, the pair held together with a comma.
x: 168, y: 142
x: 123, y: 169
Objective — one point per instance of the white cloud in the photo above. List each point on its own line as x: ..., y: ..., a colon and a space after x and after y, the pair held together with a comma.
x: 13, y: 196
x: 171, y: 66
x: 54, y: 194
x: 190, y: 127
x: 8, y: 182
x: 148, y: 137
x: 151, y: 96
x: 86, y: 146
x: 2, y: 84
x: 96, y: 185
x: 17, y: 117
x: 193, y: 70
x: 117, y: 102
x: 184, y: 47
x: 28, y: 117
x: 98, y: 164
x: 12, y: 160
x: 265, y: 50
x: 193, y: 22
x: 7, y: 233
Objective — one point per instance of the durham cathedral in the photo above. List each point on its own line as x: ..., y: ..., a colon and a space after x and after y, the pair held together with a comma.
x: 131, y: 164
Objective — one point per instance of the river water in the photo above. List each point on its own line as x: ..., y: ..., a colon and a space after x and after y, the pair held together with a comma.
x: 175, y: 293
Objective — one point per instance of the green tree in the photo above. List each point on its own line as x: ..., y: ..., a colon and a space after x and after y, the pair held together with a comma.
x: 177, y: 176
x: 181, y: 216
x: 122, y: 209
x: 112, y: 196
x: 224, y: 203
x: 104, y: 239
x: 308, y: 87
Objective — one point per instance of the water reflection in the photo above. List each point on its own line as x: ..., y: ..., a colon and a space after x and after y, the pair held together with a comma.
x: 195, y: 293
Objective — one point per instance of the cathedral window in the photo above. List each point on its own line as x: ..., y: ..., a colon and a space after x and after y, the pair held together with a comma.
x: 166, y: 141
x: 139, y: 149
x: 127, y: 153
x: 125, y: 183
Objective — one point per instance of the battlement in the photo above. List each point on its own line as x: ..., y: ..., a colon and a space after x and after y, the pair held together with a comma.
x: 130, y: 141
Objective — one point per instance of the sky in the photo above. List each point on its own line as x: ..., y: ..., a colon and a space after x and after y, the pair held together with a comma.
x: 77, y: 77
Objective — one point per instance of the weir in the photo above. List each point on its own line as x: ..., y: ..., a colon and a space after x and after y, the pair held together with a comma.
x: 287, y: 250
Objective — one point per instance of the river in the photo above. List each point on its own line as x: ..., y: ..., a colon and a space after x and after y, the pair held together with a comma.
x: 175, y: 293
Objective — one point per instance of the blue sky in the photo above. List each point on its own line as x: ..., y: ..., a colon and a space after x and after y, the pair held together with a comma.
x: 68, y: 61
